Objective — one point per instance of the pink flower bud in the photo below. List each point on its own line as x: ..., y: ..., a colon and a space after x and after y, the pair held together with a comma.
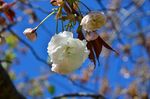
x: 30, y: 34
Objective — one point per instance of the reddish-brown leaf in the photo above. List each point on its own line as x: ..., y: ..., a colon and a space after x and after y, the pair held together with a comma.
x: 80, y: 34
x: 6, y: 9
x: 56, y: 2
x: 1, y: 2
x: 66, y: 8
x: 10, y: 14
x: 97, y: 45
x: 107, y: 46
x: 53, y: 2
x: 95, y: 48
x: 91, y: 55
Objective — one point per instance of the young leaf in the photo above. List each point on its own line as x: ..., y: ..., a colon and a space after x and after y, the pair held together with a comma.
x: 91, y: 55
x: 107, y: 46
x: 97, y: 45
x: 51, y: 89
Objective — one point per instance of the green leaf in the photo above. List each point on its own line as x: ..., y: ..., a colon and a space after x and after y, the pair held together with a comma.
x: 51, y: 89
x: 10, y: 55
x: 11, y: 41
x: 12, y: 75
x: 36, y: 91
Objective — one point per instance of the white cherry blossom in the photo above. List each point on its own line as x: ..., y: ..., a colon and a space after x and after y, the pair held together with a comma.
x: 67, y: 53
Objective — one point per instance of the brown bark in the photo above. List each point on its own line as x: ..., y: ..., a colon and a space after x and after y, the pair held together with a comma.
x: 7, y: 88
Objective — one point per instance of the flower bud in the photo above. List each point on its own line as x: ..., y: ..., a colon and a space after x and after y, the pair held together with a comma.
x: 30, y: 34
x: 56, y: 2
x: 93, y: 21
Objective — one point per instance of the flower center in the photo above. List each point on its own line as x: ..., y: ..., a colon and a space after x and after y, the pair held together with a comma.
x: 67, y: 50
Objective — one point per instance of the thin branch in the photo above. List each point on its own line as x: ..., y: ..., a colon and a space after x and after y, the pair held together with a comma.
x: 85, y: 6
x: 79, y: 85
x: 93, y: 96
x: 132, y: 10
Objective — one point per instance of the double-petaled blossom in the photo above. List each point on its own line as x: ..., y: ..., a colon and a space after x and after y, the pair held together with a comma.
x: 93, y: 21
x: 66, y: 53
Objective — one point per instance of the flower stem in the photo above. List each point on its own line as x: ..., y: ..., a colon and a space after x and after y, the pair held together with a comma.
x: 45, y: 19
x: 57, y: 26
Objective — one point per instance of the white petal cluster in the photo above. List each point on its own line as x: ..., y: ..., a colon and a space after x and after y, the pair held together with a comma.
x: 66, y: 53
x: 93, y: 21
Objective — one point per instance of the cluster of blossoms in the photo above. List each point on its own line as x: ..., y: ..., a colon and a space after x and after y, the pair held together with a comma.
x: 67, y: 53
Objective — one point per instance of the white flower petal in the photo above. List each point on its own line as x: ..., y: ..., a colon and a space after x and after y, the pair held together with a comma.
x: 66, y: 34
x: 67, y: 53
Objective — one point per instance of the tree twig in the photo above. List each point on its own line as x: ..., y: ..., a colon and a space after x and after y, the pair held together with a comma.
x: 93, y: 96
